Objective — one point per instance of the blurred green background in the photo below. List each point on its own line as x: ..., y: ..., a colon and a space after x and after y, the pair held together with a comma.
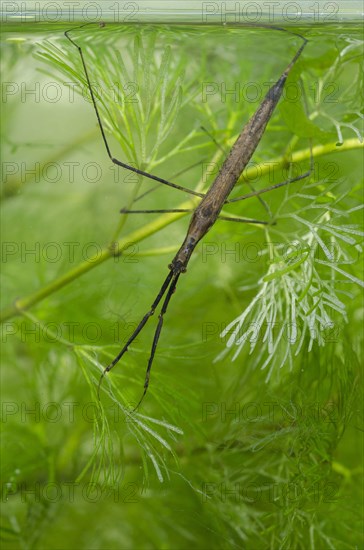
x: 216, y: 457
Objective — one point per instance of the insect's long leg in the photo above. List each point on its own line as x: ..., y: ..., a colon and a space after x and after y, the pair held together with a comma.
x: 139, y: 197
x: 155, y: 211
x: 277, y: 185
x: 245, y: 220
x: 271, y: 187
x: 228, y: 201
x: 137, y: 330
x: 111, y: 157
x: 137, y: 170
x: 157, y: 334
x: 225, y: 218
x: 94, y: 103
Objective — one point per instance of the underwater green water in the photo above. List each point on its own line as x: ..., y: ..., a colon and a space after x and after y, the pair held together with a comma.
x: 220, y: 455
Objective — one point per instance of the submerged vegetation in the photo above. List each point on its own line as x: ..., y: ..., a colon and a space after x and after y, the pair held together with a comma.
x: 258, y: 452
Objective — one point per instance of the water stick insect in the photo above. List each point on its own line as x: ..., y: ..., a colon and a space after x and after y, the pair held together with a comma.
x: 211, y: 203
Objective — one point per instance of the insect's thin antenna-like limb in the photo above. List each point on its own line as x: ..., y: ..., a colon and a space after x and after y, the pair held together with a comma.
x: 271, y: 187
x: 262, y: 201
x: 155, y: 211
x: 157, y: 334
x: 139, y: 197
x: 96, y: 109
x: 246, y: 220
x: 278, y: 185
x: 275, y: 28
x: 214, y: 140
x: 225, y: 218
x: 137, y: 330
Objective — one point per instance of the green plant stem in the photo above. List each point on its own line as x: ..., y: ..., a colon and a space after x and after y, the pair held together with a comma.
x: 22, y: 304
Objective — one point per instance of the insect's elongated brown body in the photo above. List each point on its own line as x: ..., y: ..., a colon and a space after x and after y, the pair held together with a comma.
x: 208, y: 210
